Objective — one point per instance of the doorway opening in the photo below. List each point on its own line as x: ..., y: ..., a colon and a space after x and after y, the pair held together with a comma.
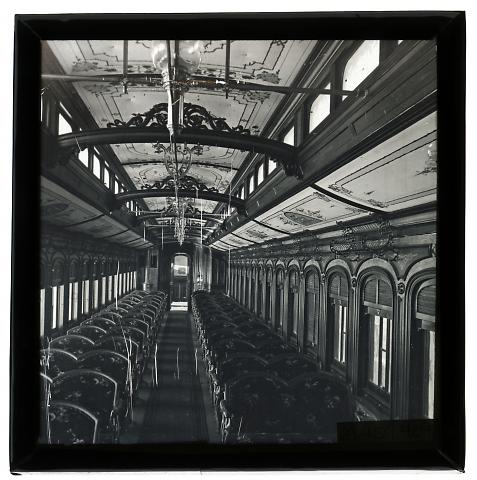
x: 180, y: 282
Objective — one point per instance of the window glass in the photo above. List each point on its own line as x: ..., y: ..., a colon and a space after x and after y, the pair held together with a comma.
x: 260, y: 173
x: 42, y: 312
x: 110, y: 287
x: 74, y: 302
x: 432, y: 366
x: 271, y: 165
x: 106, y: 177
x: 251, y: 184
x: 95, y: 294
x: 103, y: 290
x: 42, y: 106
x: 60, y: 307
x: 70, y: 302
x: 379, y: 369
x: 83, y: 157
x: 54, y: 300
x: 361, y: 64
x: 289, y: 137
x: 116, y: 186
x: 242, y: 192
x: 319, y: 110
x: 85, y: 297
x: 96, y: 166
x: 63, y: 125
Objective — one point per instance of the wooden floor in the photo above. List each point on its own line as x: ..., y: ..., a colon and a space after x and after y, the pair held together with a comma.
x: 179, y: 408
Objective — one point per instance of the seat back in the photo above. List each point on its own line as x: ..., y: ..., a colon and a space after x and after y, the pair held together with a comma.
x: 290, y: 365
x: 126, y: 347
x: 93, y: 332
x: 74, y: 343
x: 129, y: 332
x: 109, y: 362
x: 54, y: 361
x: 325, y: 401
x: 70, y: 424
x: 93, y: 390
x: 240, y: 364
x: 223, y: 348
x: 104, y: 323
x: 271, y: 348
x: 137, y: 323
x: 256, y: 399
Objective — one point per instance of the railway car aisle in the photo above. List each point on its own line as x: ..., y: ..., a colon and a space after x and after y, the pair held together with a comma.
x: 179, y: 408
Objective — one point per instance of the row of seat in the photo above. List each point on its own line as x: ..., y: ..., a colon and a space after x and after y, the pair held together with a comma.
x: 90, y: 374
x: 264, y: 390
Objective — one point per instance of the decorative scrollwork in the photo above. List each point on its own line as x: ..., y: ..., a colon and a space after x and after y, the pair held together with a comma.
x: 195, y: 117
x: 183, y: 183
x: 355, y: 242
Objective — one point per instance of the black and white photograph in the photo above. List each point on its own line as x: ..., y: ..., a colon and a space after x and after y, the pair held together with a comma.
x: 239, y: 243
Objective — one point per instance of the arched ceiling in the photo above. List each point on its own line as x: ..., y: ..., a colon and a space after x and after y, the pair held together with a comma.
x: 267, y: 62
x: 399, y: 173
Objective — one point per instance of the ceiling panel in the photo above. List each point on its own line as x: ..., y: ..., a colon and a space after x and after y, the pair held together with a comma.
x: 308, y: 210
x: 399, y: 173
x: 232, y: 240
x: 60, y: 207
x: 258, y: 233
x: 224, y: 246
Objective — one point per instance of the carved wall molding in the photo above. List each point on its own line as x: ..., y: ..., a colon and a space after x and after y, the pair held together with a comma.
x: 373, y: 239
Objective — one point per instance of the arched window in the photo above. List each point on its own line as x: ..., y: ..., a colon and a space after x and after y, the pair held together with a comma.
x: 423, y: 350
x: 293, y: 288
x: 337, y: 319
x: 363, y: 61
x: 279, y: 301
x: 268, y: 295
x: 376, y: 326
x: 312, y: 290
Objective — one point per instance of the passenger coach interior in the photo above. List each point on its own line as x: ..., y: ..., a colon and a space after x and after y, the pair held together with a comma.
x: 238, y: 239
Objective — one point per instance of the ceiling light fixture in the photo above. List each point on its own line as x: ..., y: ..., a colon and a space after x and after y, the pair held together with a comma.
x: 176, y: 65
